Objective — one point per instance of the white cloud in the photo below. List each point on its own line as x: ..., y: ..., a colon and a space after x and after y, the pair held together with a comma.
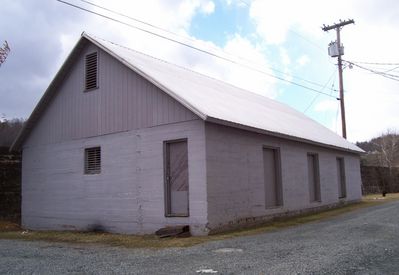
x: 244, y: 52
x: 265, y: 19
x: 275, y: 19
x: 235, y: 45
x: 303, y: 60
x: 238, y: 3
x: 326, y: 105
x: 336, y: 125
x: 285, y: 58
x: 208, y: 7
x: 175, y: 16
x: 249, y: 79
x: 371, y: 101
x: 371, y: 104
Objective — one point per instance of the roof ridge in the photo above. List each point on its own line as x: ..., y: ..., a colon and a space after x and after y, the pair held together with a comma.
x: 208, y: 105
x: 176, y: 65
x: 274, y: 101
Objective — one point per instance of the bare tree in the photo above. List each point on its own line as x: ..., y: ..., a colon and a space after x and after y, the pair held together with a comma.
x: 4, y: 51
x: 389, y: 148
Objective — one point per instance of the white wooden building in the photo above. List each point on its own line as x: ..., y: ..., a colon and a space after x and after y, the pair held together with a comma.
x: 130, y: 143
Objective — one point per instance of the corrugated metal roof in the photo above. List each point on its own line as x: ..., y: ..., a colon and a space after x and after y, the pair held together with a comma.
x: 217, y: 101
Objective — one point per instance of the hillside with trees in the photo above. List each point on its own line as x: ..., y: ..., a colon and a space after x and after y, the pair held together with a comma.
x: 9, y: 130
x: 380, y: 164
x: 10, y: 170
x: 382, y: 150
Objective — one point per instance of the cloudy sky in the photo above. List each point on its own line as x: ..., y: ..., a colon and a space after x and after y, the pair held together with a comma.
x: 282, y: 39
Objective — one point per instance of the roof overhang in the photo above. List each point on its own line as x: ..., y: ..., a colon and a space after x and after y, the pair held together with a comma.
x: 279, y: 135
x: 63, y: 71
x: 83, y: 42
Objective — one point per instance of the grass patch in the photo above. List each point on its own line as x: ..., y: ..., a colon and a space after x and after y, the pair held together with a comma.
x: 9, y: 226
x: 379, y: 197
x: 11, y: 230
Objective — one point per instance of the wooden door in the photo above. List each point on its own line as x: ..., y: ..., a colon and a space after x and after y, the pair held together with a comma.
x: 176, y: 178
x: 341, y: 178
x: 271, y: 177
x: 313, y: 177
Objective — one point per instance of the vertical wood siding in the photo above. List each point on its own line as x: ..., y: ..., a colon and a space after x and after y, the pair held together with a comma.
x: 124, y: 101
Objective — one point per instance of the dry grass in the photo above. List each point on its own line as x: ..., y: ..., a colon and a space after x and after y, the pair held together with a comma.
x: 10, y: 230
x: 379, y: 197
x: 9, y: 226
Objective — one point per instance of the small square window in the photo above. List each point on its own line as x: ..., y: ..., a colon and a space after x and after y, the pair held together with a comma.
x: 93, y: 160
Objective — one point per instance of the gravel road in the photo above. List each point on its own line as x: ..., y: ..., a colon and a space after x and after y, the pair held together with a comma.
x: 365, y: 241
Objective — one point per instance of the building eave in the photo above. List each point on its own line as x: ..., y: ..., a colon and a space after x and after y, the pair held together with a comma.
x: 280, y: 135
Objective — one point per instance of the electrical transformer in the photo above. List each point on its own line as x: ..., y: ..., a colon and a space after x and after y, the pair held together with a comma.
x: 334, y: 50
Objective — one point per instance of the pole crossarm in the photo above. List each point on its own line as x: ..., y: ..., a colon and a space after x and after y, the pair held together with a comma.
x: 337, y: 25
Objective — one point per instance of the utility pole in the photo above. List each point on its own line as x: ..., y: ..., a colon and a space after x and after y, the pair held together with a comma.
x: 337, y: 50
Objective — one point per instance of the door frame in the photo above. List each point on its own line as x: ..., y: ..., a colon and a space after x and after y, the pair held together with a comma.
x: 278, y: 175
x: 316, y: 184
x: 167, y: 193
x: 342, y: 178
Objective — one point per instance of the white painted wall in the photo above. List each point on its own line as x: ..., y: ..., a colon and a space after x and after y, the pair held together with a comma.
x: 226, y: 184
x: 124, y: 101
x: 130, y: 119
x: 128, y: 195
x: 235, y: 176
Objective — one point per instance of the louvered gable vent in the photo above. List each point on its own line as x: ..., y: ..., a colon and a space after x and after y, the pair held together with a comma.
x: 91, y: 71
x: 93, y: 160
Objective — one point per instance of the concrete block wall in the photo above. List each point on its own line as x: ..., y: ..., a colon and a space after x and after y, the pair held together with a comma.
x: 128, y: 195
x: 226, y: 185
x: 235, y: 180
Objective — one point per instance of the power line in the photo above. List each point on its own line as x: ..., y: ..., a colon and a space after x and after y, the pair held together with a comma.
x: 137, y: 20
x: 383, y: 74
x: 311, y: 103
x: 196, y: 41
x: 390, y: 70
x: 332, y: 86
x: 294, y: 32
x: 307, y: 40
x: 302, y: 37
x: 245, y: 3
x: 195, y: 48
x: 336, y: 120
x: 375, y: 63
x: 314, y: 99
